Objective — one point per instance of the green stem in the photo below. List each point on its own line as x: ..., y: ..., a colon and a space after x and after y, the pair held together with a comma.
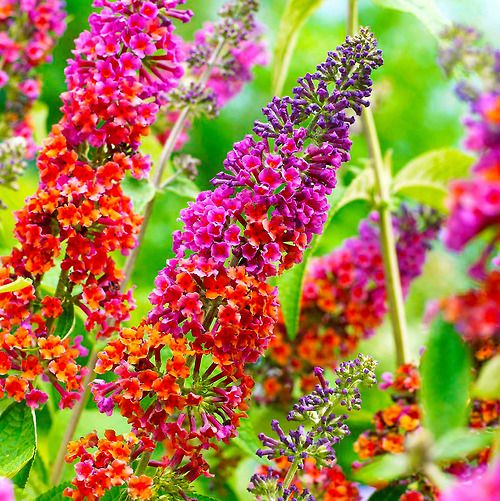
x: 290, y: 475
x: 76, y: 414
x: 388, y: 242
x: 166, y: 154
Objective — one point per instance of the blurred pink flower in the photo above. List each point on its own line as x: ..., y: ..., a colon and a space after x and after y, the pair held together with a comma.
x: 484, y: 487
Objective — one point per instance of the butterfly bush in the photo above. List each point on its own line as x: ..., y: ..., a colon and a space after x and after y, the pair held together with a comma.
x: 236, y: 41
x: 29, y: 30
x: 321, y: 428
x: 79, y: 215
x: 328, y: 483
x: 344, y: 300
x: 474, y: 203
x: 180, y: 375
x: 482, y: 487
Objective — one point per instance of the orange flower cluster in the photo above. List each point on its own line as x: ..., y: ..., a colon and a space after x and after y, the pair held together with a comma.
x: 79, y: 215
x: 229, y: 315
x: 327, y: 483
x: 104, y: 463
x: 476, y: 315
x: 343, y: 301
x: 392, y: 424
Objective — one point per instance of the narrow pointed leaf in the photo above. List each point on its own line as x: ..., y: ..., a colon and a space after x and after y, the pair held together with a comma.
x: 296, y: 13
x: 426, y: 11
x: 17, y: 285
x: 446, y: 378
x: 458, y: 444
x: 384, y: 469
x: 66, y: 321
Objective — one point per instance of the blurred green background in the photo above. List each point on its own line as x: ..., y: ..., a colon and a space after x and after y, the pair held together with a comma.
x: 415, y: 109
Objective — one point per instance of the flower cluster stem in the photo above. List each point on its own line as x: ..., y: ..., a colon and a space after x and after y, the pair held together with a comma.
x: 159, y: 171
x: 58, y: 467
x: 388, y: 242
x: 290, y: 474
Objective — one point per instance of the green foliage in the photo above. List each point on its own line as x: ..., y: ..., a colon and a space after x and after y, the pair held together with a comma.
x: 392, y: 493
x: 141, y: 192
x: 384, y: 469
x: 17, y: 439
x: 202, y: 497
x: 183, y: 187
x: 361, y: 188
x: 296, y: 13
x: 17, y: 285
x: 20, y: 479
x: 426, y: 11
x: 487, y: 385
x: 425, y: 178
x: 446, y: 376
x: 54, y: 493
x: 459, y: 443
x: 66, y: 322
x: 290, y: 294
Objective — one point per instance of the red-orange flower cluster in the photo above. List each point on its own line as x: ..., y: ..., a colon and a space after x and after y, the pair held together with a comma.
x: 104, y: 463
x: 79, y: 215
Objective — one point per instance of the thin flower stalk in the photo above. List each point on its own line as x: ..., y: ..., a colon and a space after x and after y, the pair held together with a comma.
x: 382, y: 185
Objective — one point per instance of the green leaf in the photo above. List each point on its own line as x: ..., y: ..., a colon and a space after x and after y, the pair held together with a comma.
x: 296, y: 13
x: 446, y: 377
x: 39, y: 114
x: 17, y: 285
x: 66, y: 321
x: 392, y: 493
x: 426, y: 177
x: 458, y: 444
x: 426, y: 11
x: 202, y: 497
x: 290, y: 286
x: 183, y: 187
x: 54, y: 493
x: 17, y: 439
x: 20, y: 479
x: 384, y: 469
x: 140, y: 192
x: 487, y: 385
x: 361, y: 188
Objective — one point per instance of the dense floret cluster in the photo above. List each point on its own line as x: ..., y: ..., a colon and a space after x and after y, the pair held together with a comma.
x: 344, y: 301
